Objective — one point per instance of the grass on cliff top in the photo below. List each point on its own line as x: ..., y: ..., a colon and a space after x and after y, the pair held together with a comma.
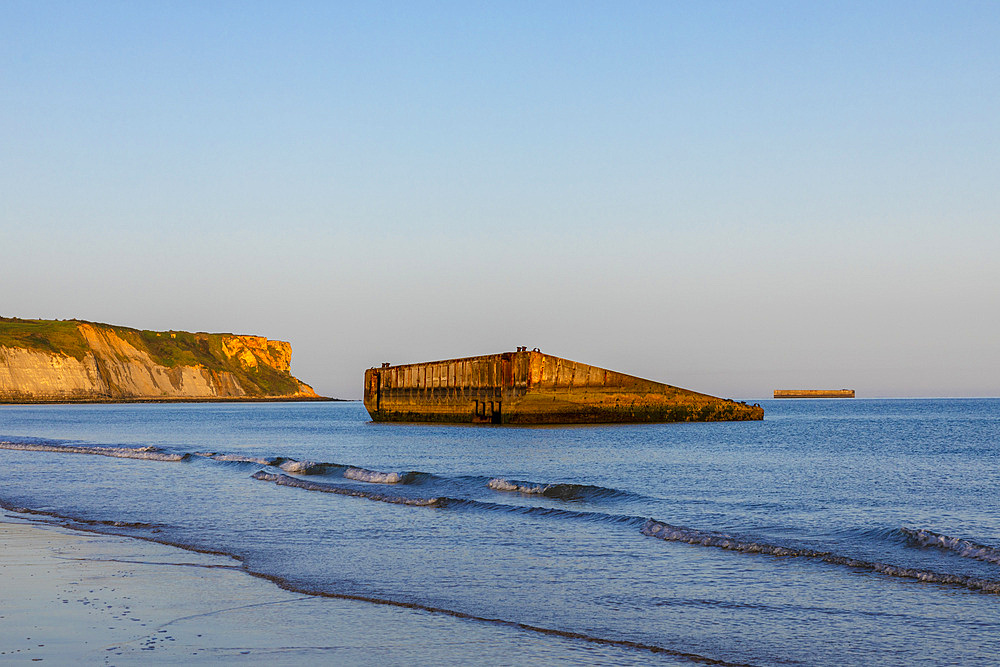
x: 52, y: 336
x: 171, y: 349
x: 178, y: 348
x: 168, y: 348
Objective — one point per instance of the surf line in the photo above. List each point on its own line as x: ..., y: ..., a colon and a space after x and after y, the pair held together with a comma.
x: 552, y: 632
x: 286, y: 480
x: 444, y: 501
x: 106, y: 528
x: 956, y: 545
x: 668, y: 533
x: 148, y: 453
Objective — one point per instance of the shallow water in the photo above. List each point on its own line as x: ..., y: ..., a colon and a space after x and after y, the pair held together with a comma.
x: 833, y: 532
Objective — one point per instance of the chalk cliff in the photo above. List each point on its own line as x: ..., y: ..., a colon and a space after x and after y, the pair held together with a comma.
x: 47, y: 360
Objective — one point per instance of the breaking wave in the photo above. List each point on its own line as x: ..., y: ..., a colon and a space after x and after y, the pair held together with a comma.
x: 148, y: 453
x: 964, y: 548
x: 308, y: 467
x: 80, y: 522
x: 446, y: 501
x: 313, y: 468
x: 238, y: 458
x: 544, y: 512
x: 376, y: 477
x: 558, y: 491
x: 287, y: 464
x: 665, y: 531
x: 285, y: 480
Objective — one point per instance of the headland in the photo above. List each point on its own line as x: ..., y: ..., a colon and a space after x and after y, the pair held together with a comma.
x: 60, y: 361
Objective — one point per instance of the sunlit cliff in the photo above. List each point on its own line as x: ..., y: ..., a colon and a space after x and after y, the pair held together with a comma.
x: 52, y: 360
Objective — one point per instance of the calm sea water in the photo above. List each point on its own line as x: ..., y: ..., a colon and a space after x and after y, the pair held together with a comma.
x: 833, y: 532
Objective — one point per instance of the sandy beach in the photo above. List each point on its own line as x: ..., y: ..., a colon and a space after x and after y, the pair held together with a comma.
x: 71, y: 597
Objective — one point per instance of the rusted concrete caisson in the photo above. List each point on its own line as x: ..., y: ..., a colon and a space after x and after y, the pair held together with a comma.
x: 533, y: 388
x: 814, y: 393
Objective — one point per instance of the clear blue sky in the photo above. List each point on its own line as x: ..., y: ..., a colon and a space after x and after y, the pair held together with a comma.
x: 731, y: 197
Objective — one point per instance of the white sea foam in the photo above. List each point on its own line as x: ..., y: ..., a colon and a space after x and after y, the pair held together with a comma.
x: 148, y: 453
x: 238, y: 458
x: 374, y: 476
x: 559, y: 491
x: 303, y: 467
x: 285, y: 480
x: 500, y: 484
x: 962, y: 547
x: 670, y: 533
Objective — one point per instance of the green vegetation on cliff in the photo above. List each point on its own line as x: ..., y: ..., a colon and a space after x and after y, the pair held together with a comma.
x: 54, y: 336
x: 182, y: 348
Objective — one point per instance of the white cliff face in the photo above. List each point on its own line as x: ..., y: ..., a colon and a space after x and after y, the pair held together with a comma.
x: 26, y: 374
x: 114, y: 369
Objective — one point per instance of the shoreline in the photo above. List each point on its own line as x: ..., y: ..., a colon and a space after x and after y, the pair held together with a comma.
x: 127, y: 401
x: 74, y: 595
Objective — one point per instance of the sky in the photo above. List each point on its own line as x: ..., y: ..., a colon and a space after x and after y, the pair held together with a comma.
x: 732, y: 197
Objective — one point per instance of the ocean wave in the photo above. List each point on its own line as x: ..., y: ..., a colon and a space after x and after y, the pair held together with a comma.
x: 962, y: 547
x: 80, y: 522
x: 285, y: 463
x: 450, y: 502
x: 148, y: 453
x: 308, y: 467
x: 314, y: 468
x: 239, y: 458
x: 376, y: 477
x: 665, y: 531
x: 544, y: 512
x: 557, y: 491
x: 446, y: 501
x: 285, y: 480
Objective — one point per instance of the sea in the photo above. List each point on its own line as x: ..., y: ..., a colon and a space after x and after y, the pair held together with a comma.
x: 833, y: 532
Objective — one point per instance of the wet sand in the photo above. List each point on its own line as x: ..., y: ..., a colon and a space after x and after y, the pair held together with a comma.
x: 70, y: 597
